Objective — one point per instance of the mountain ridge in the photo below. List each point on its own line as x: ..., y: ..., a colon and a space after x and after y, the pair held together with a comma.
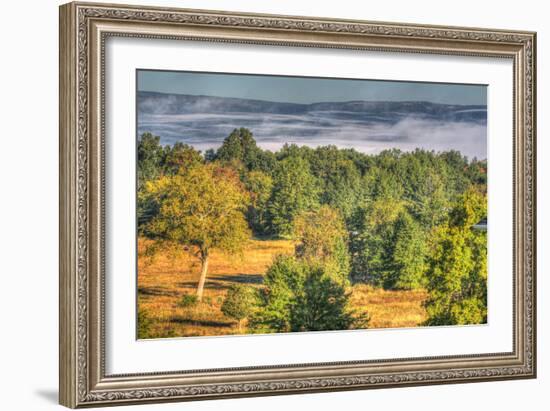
x: 152, y: 102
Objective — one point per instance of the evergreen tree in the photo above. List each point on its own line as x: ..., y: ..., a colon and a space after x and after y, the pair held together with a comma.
x: 294, y: 190
x: 301, y: 296
x: 407, y: 258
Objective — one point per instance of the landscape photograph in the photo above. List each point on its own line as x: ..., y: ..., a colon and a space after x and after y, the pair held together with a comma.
x: 278, y: 204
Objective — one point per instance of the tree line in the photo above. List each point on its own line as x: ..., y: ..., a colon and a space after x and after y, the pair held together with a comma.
x: 398, y: 220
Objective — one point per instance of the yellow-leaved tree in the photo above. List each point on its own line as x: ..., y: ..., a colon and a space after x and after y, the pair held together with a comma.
x: 202, y: 207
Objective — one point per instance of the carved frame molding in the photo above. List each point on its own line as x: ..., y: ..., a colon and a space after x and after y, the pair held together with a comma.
x: 84, y: 27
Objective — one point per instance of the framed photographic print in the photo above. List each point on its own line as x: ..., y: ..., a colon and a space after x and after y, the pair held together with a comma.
x: 259, y: 204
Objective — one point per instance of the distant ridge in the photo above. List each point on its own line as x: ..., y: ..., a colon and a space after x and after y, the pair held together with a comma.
x: 389, y: 111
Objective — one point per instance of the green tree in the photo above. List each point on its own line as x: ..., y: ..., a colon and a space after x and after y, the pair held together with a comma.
x: 301, y: 296
x: 203, y: 207
x: 457, y: 266
x: 408, y: 251
x: 427, y: 189
x: 322, y: 237
x: 477, y: 172
x: 239, y: 145
x: 321, y: 304
x: 340, y: 180
x: 294, y: 190
x: 371, y: 241
x: 281, y: 280
x: 150, y: 164
x: 180, y: 157
x: 150, y: 155
x: 239, y: 303
x: 259, y: 185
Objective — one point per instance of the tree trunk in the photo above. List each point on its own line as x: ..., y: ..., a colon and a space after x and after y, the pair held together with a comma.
x: 204, y: 269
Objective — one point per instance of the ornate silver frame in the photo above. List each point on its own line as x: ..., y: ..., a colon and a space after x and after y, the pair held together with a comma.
x: 84, y: 28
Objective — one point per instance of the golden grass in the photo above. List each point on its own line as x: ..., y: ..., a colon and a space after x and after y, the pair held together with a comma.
x: 388, y: 308
x: 166, y: 277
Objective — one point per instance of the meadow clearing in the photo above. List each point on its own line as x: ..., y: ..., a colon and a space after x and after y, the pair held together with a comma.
x: 167, y: 276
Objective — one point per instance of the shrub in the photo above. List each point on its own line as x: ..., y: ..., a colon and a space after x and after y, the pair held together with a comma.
x: 301, y: 295
x: 239, y: 303
x: 321, y: 304
x: 188, y: 300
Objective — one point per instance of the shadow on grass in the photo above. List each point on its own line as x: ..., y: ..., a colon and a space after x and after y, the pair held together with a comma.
x: 201, y: 323
x: 239, y: 278
x: 209, y: 285
x: 156, y: 291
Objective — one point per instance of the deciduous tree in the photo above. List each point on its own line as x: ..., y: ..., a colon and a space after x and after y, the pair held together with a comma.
x: 202, y: 207
x: 259, y: 185
x: 322, y: 238
x: 457, y: 266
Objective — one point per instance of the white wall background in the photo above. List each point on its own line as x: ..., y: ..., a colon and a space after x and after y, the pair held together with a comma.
x: 29, y: 191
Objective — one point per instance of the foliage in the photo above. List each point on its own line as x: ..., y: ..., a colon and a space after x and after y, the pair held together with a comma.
x: 407, y: 254
x: 339, y: 179
x: 259, y: 185
x: 457, y: 266
x: 203, y: 207
x: 294, y: 190
x: 150, y: 156
x: 398, y: 220
x: 241, y: 146
x: 180, y: 157
x: 300, y: 295
x: 371, y: 240
x: 428, y: 201
x: 322, y: 238
x: 281, y: 280
x: 188, y: 300
x: 321, y: 304
x: 239, y: 303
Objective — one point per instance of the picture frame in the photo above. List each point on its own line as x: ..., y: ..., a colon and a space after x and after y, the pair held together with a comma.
x: 84, y: 30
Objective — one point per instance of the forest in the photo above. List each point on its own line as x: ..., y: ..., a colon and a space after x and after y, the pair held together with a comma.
x: 349, y: 223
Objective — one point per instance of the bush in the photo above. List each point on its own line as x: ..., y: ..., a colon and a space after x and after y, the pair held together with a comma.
x: 301, y: 295
x: 188, y: 300
x: 239, y: 303
x: 320, y: 305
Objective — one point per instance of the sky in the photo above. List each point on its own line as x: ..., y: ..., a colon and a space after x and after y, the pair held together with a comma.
x: 306, y: 89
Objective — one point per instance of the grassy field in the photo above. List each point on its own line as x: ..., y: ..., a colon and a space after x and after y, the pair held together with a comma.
x: 166, y: 277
